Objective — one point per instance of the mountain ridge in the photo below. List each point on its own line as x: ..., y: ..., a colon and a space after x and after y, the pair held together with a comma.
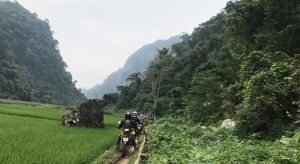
x: 31, y: 67
x: 143, y: 56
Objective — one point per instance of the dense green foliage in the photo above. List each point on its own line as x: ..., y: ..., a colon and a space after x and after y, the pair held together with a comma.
x: 175, y: 141
x: 241, y: 64
x: 31, y: 68
x: 34, y: 135
x: 137, y: 62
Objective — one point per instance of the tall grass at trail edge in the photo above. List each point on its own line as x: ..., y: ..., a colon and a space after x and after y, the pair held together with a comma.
x: 173, y: 141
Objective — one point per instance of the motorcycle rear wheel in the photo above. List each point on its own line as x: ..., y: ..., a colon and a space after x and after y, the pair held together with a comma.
x: 124, y: 150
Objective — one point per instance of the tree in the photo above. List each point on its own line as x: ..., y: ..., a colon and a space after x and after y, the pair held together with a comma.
x: 110, y: 98
x: 30, y: 60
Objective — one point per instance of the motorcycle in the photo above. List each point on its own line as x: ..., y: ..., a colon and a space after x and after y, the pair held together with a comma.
x: 144, y: 127
x: 140, y: 129
x: 126, y: 140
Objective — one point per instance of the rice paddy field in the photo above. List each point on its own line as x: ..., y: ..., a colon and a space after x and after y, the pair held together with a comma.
x: 34, y: 134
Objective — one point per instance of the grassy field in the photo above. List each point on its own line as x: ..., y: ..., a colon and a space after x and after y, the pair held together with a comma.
x: 34, y: 135
x: 45, y: 112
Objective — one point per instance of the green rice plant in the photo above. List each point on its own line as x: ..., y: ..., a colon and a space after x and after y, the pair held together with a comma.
x: 39, y: 137
x: 33, y: 111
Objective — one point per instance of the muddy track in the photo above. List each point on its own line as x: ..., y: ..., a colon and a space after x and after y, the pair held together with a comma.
x: 137, y: 161
x: 117, y: 158
x: 127, y: 158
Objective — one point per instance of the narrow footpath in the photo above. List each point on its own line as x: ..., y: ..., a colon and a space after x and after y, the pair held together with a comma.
x: 132, y: 154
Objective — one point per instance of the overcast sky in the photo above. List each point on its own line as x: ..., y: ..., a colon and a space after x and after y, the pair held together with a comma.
x: 96, y: 36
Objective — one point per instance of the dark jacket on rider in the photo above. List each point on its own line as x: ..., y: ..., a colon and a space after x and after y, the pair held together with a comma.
x: 136, y: 120
x: 128, y: 124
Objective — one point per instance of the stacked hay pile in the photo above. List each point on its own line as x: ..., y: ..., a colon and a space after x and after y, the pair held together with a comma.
x: 88, y: 114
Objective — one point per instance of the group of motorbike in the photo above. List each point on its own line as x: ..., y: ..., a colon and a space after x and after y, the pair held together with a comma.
x: 133, y: 127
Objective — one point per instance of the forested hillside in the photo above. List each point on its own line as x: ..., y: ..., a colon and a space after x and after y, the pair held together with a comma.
x: 137, y: 62
x: 242, y: 64
x: 31, y: 67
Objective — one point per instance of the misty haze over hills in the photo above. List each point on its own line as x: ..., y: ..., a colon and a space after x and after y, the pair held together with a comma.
x: 137, y: 62
x: 31, y: 67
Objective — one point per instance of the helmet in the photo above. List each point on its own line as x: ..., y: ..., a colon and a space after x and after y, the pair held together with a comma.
x: 127, y: 116
x: 134, y: 113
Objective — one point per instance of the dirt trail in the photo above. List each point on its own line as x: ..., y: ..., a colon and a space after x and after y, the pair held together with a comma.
x: 140, y: 151
x: 127, y: 158
x: 131, y: 153
x: 117, y: 158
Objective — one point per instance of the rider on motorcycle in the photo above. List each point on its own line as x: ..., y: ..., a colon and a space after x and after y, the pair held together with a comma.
x: 135, y: 118
x: 128, y: 123
x: 139, y: 124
